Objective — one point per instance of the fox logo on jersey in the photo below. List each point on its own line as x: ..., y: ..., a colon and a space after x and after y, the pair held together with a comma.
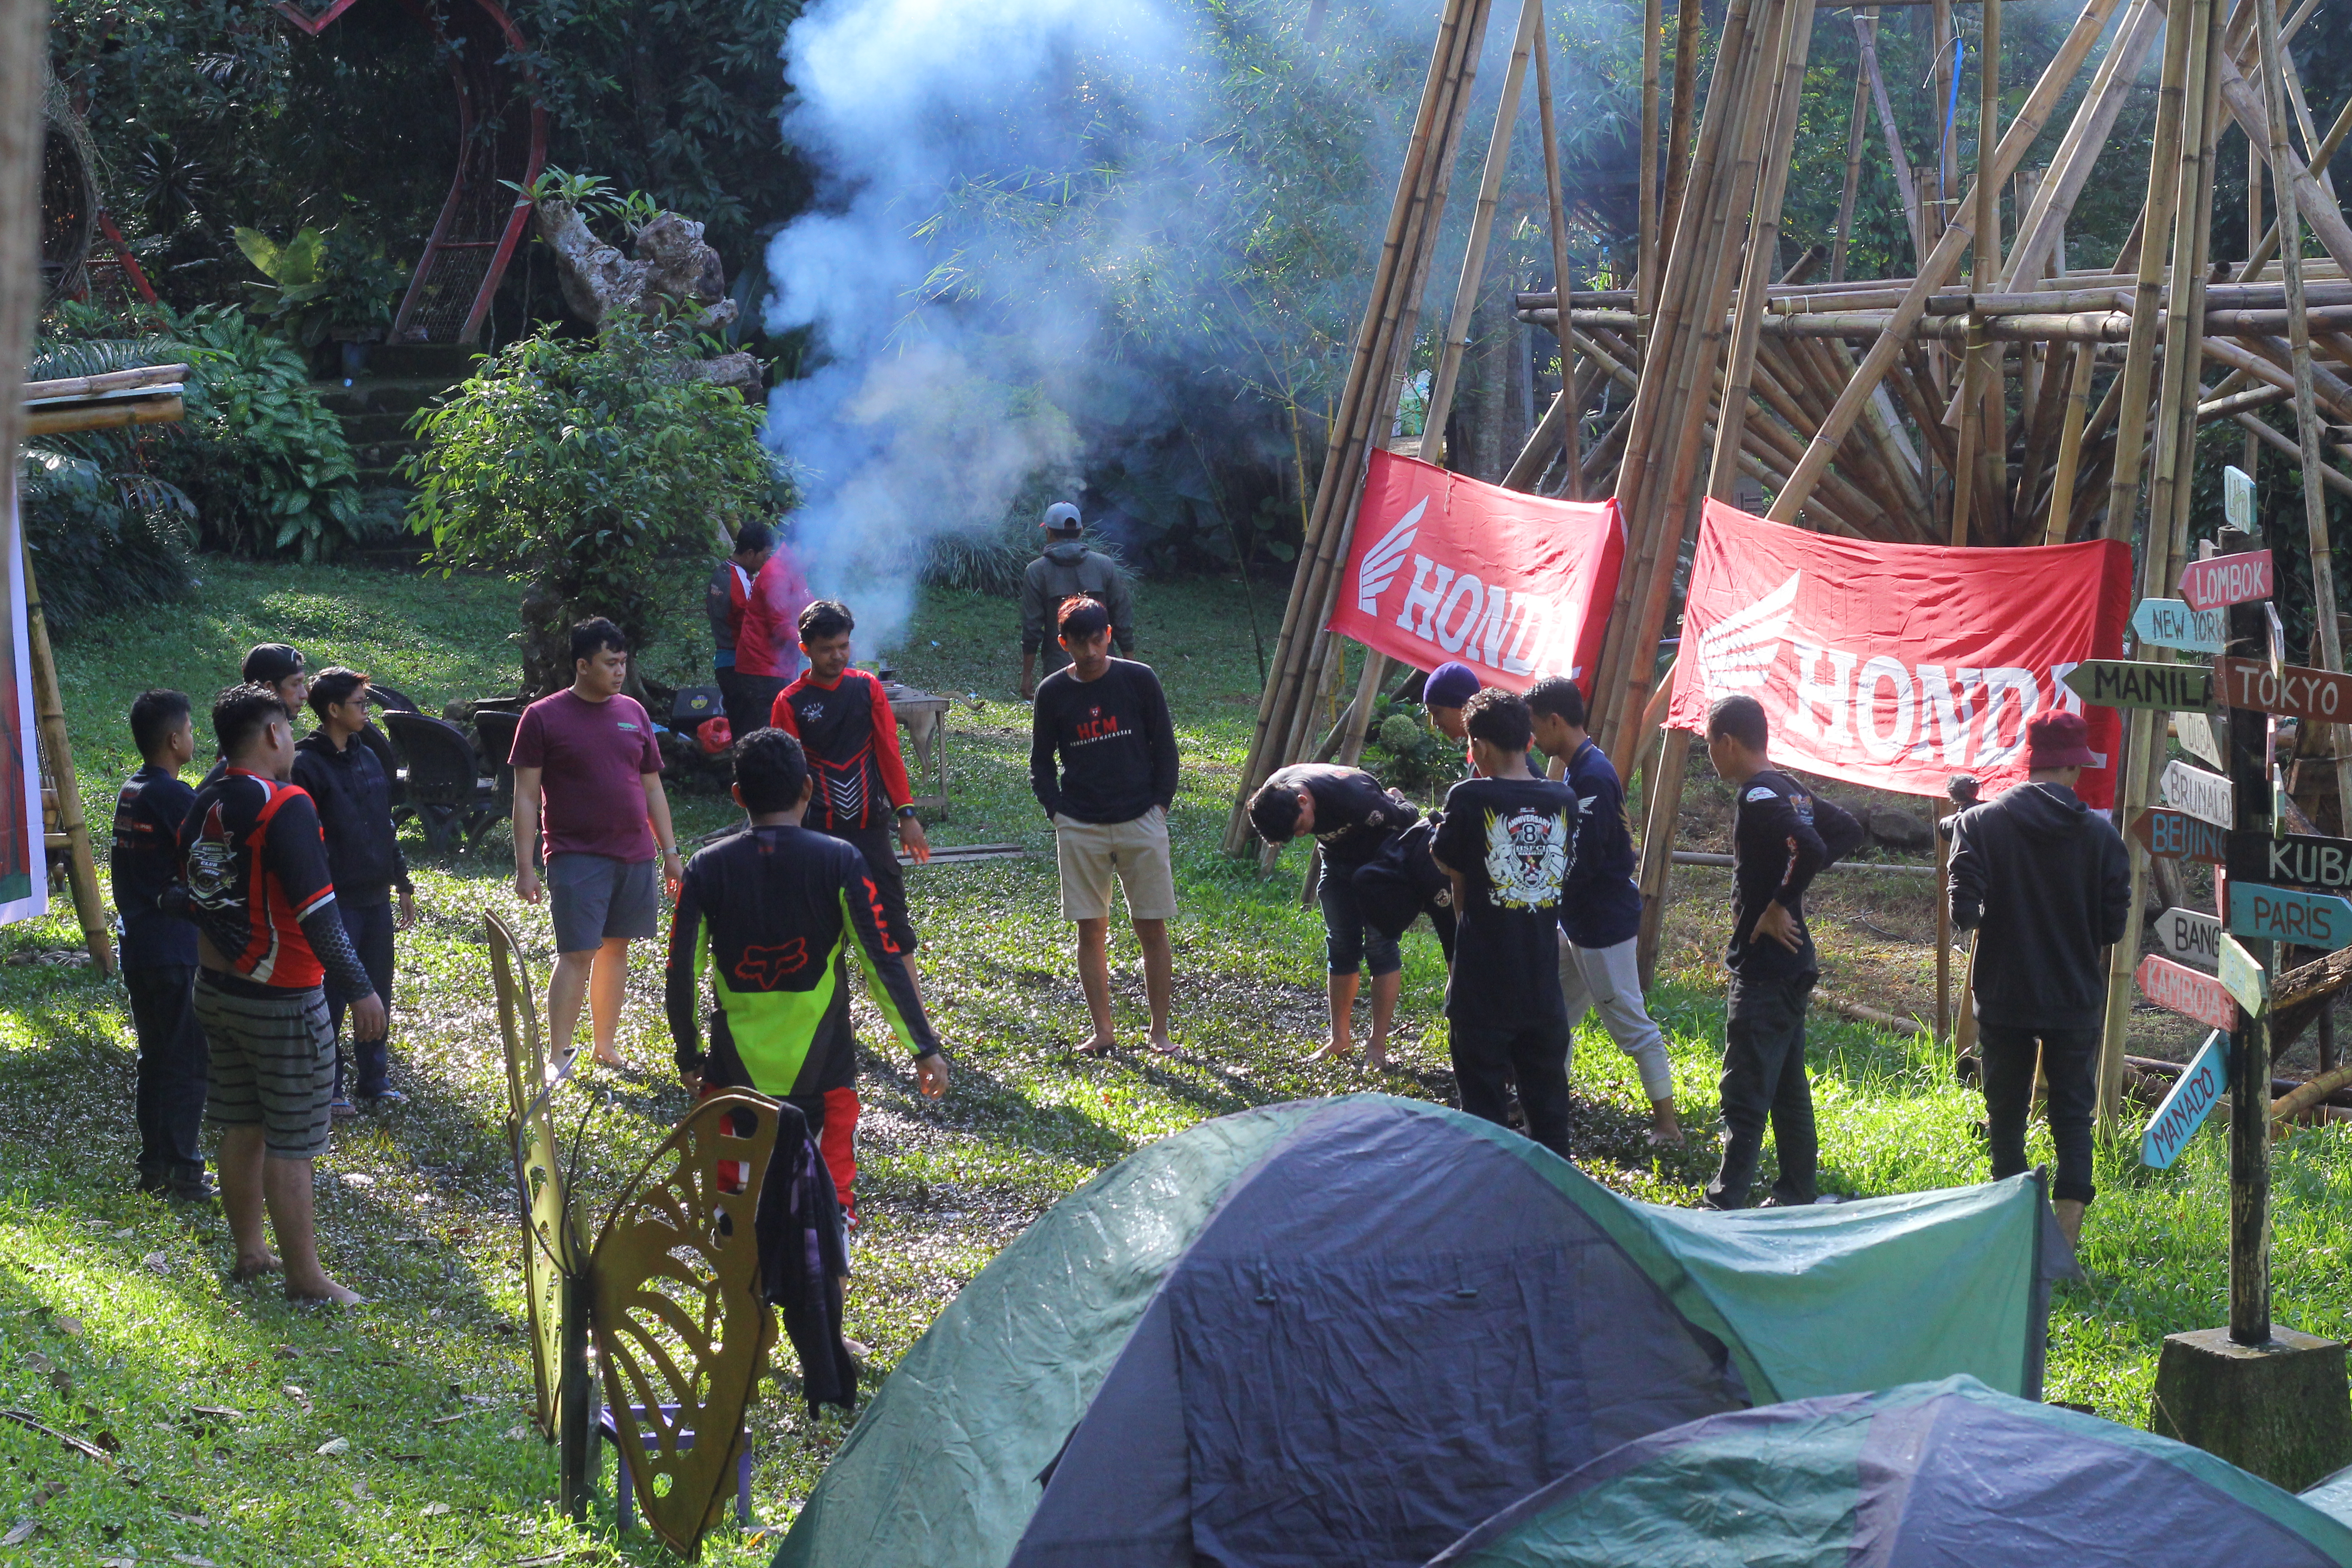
x: 762, y: 968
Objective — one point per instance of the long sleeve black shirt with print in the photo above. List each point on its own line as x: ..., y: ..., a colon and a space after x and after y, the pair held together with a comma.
x: 1114, y: 739
x: 1355, y: 813
x: 1782, y: 835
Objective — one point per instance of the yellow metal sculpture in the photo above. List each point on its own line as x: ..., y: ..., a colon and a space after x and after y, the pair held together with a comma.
x: 681, y: 1329
x: 552, y: 1247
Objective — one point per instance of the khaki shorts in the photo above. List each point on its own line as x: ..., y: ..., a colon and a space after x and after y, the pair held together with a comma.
x: 1091, y: 854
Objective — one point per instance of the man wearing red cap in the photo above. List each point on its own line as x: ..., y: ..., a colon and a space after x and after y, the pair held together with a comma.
x: 2044, y: 883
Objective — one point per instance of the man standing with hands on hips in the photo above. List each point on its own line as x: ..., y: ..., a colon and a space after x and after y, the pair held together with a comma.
x: 1106, y: 722
x: 588, y: 787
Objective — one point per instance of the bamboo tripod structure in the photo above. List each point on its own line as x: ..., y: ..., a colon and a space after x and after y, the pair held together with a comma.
x: 2080, y: 388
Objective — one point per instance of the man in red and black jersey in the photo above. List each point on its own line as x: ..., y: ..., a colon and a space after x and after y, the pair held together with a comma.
x: 270, y: 945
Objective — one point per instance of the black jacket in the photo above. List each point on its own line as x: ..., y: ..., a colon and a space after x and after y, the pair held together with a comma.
x: 354, y: 802
x: 1114, y: 739
x: 2044, y: 882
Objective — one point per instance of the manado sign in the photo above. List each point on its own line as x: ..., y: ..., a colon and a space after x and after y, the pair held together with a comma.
x: 2193, y: 1098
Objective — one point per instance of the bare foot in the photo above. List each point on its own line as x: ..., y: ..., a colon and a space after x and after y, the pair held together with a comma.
x: 1376, y: 1058
x: 610, y: 1058
x: 1164, y: 1045
x: 251, y: 1268
x: 1337, y: 1051
x: 323, y: 1290
x: 1100, y: 1045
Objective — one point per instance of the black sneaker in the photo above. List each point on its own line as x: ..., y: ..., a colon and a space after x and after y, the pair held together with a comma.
x: 153, y: 1185
x: 196, y: 1189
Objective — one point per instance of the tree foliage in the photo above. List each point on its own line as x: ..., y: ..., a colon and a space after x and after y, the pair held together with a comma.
x: 582, y: 468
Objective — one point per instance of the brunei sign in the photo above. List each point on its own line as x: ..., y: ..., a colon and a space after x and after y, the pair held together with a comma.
x: 2192, y: 1099
x: 2177, y: 988
x: 2199, y: 793
x: 2125, y: 683
x: 2170, y: 623
x: 2288, y: 914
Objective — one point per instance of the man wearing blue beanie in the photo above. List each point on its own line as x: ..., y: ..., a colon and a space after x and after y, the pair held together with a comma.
x: 1447, y: 690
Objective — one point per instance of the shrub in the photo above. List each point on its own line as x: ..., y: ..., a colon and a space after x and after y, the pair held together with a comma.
x: 578, y: 468
x: 1406, y: 752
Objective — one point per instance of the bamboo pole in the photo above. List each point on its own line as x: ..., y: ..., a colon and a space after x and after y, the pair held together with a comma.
x: 2070, y: 447
x: 1646, y: 200
x: 2266, y: 247
x: 1683, y: 110
x: 1972, y: 481
x: 2078, y: 150
x: 2022, y: 131
x: 1563, y: 285
x: 2307, y: 415
x: 1855, y: 124
x: 49, y: 709
x: 2324, y: 216
x: 1366, y: 387
x: 1865, y: 32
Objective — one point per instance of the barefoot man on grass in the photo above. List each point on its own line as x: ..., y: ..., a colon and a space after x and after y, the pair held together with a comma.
x: 1106, y: 721
x: 270, y: 946
x: 587, y: 784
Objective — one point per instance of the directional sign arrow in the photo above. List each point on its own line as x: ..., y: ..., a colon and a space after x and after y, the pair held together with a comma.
x: 2227, y: 580
x: 2199, y: 793
x: 2170, y: 834
x: 2193, y: 1098
x: 2292, y: 860
x: 2190, y: 937
x: 2195, y: 733
x: 2170, y: 623
x: 2125, y: 683
x: 2243, y: 978
x: 2180, y: 989
x: 2237, y: 498
x: 2291, y: 690
x: 2287, y: 914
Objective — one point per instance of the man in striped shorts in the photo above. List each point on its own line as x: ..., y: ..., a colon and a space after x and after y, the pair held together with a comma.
x: 270, y: 944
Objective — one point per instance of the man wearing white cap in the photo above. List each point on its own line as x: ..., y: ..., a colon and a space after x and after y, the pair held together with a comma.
x: 1068, y: 570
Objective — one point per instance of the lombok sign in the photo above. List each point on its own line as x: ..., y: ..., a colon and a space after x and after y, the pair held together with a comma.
x: 1896, y: 666
x: 1444, y: 567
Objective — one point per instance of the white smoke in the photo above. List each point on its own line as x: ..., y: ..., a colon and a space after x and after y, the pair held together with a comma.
x: 1006, y: 186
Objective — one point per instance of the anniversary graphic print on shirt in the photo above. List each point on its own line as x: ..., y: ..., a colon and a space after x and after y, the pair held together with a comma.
x: 1528, y: 856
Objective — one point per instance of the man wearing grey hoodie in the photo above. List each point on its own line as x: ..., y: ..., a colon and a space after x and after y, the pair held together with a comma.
x: 2044, y: 883
x: 1068, y: 570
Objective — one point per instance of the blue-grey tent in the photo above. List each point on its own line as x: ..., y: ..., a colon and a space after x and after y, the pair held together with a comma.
x: 1346, y: 1330
x: 1942, y: 1475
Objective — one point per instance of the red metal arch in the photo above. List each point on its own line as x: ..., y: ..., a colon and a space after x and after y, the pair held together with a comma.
x: 482, y: 221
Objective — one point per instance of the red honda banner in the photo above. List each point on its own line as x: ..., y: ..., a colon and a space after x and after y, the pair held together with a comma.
x: 1443, y: 567
x: 1896, y: 666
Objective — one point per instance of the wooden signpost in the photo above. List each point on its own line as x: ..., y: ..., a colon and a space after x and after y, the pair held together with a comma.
x: 2199, y: 793
x: 2195, y: 732
x: 2177, y: 988
x: 2170, y: 623
x: 2170, y: 834
x: 2190, y: 937
x: 2289, y: 914
x: 2247, y: 982
x: 2238, y: 497
x: 2225, y: 580
x: 2123, y: 683
x: 2290, y: 692
x: 2193, y: 1098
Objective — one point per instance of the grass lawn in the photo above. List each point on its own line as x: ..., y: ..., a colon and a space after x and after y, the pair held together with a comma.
x: 240, y: 1430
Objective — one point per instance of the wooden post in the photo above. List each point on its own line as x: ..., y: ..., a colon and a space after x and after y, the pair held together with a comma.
x: 2307, y: 417
x: 1976, y: 428
x: 1865, y: 32
x: 57, y: 748
x: 2070, y: 445
x: 2250, y: 1064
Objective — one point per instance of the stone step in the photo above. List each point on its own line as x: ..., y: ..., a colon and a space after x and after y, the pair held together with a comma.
x: 450, y: 362
x: 380, y: 395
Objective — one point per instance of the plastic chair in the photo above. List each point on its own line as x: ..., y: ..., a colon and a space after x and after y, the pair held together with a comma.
x: 625, y: 1493
x: 495, y: 729
x: 445, y: 788
x: 392, y: 698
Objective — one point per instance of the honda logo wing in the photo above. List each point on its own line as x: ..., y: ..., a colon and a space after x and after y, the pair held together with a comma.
x: 1385, y: 559
x: 1734, y: 652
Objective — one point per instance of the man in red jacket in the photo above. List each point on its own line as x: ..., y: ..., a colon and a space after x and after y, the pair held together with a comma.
x: 842, y: 720
x: 726, y: 602
x: 767, y: 641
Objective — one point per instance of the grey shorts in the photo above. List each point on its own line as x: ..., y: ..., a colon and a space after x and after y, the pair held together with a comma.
x: 594, y: 898
x: 273, y: 1066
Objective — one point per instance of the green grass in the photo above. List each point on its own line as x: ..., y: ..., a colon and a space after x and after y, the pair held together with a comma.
x: 116, y: 1321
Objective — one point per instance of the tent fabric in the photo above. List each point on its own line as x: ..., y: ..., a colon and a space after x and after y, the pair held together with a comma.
x: 1950, y: 1473
x: 2333, y: 1496
x: 1347, y: 1330
x: 1381, y: 1337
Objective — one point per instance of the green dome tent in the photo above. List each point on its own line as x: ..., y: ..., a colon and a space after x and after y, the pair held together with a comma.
x: 1346, y: 1330
x: 1941, y: 1475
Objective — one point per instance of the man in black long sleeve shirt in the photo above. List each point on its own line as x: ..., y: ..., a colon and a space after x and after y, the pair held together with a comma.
x: 2045, y: 883
x: 159, y: 949
x: 1781, y: 834
x: 1106, y: 721
x: 1353, y: 817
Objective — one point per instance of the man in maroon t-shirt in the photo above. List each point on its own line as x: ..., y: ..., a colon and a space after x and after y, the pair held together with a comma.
x: 588, y: 792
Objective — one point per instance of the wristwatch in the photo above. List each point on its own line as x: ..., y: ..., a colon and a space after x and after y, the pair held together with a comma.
x: 905, y: 812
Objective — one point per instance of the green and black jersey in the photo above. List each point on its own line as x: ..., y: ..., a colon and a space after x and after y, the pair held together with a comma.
x: 771, y: 912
